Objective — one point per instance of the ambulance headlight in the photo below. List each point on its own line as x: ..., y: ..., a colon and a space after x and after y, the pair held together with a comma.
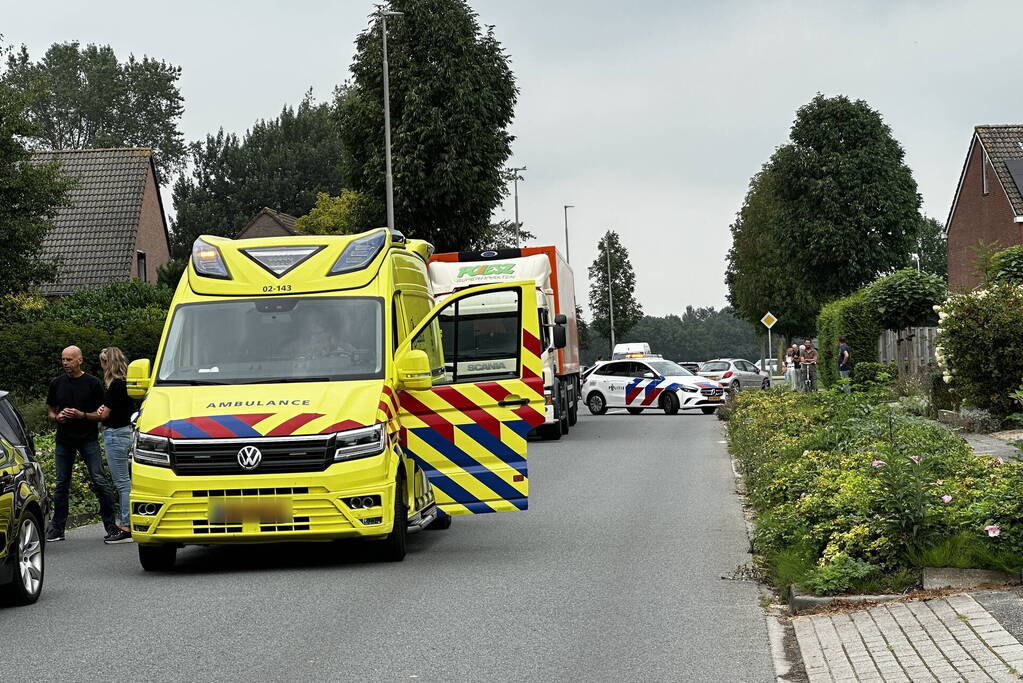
x: 359, y: 253
x: 149, y: 449
x: 359, y: 443
x: 208, y: 262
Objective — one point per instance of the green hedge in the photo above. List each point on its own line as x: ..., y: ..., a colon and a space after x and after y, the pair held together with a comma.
x: 850, y: 495
x: 853, y: 318
x: 34, y: 331
x: 1006, y: 266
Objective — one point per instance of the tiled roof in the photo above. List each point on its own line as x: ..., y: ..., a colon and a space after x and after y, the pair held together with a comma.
x: 1001, y: 143
x: 282, y: 219
x: 94, y: 237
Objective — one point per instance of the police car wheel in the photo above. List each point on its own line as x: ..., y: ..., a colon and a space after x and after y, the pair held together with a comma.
x: 669, y: 404
x: 634, y: 411
x: 596, y: 403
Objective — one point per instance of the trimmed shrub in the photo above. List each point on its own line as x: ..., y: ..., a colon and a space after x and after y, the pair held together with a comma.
x: 1006, y: 267
x: 979, y: 347
x: 853, y: 318
x: 906, y: 298
x: 112, y: 307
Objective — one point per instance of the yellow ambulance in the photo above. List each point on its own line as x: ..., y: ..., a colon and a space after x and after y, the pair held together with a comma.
x: 309, y: 388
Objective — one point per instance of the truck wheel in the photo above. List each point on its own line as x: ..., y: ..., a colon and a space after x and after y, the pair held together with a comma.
x: 550, y: 432
x: 573, y: 412
x: 393, y: 547
x: 157, y: 558
x: 564, y: 418
x: 708, y: 411
x: 669, y: 404
x: 635, y: 411
x: 596, y: 403
x: 440, y: 524
x: 27, y: 564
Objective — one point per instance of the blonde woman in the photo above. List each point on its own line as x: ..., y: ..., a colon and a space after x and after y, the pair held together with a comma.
x: 115, y: 415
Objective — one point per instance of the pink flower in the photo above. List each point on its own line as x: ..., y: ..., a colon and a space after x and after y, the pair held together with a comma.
x: 939, y: 482
x: 1001, y: 461
x: 877, y: 463
x: 946, y: 499
x: 915, y: 458
x: 992, y: 530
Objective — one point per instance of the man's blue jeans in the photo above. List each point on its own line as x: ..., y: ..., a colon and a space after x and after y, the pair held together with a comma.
x: 65, y: 461
x: 116, y: 443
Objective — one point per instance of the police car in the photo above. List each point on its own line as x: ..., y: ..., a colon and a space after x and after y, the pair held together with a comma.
x: 650, y: 382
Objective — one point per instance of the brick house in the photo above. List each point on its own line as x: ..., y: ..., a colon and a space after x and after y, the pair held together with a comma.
x: 988, y: 206
x: 269, y: 223
x: 114, y: 227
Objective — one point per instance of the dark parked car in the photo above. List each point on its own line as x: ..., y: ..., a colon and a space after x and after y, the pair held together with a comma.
x: 23, y: 511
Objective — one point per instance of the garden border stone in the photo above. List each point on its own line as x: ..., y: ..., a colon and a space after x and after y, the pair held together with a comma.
x: 949, y: 577
x: 800, y: 602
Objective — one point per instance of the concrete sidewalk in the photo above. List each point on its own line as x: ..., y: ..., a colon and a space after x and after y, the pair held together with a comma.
x: 954, y: 638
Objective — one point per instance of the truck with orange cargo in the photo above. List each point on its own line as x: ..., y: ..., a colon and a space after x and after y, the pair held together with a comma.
x: 555, y: 302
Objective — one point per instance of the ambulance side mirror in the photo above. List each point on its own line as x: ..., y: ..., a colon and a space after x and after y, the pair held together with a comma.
x: 139, y: 380
x: 414, y: 370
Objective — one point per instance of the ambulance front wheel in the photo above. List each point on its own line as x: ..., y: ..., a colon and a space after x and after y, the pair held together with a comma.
x: 393, y: 547
x: 157, y: 558
x: 596, y: 403
x: 440, y: 524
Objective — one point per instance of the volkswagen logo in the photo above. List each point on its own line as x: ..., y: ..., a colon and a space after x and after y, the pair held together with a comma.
x: 249, y: 457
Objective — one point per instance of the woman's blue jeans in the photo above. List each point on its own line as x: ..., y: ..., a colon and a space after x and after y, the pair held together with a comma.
x: 116, y: 442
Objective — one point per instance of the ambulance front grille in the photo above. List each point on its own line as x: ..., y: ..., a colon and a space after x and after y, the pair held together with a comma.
x: 200, y: 457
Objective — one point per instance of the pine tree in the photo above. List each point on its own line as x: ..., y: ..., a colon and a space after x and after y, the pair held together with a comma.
x: 627, y: 311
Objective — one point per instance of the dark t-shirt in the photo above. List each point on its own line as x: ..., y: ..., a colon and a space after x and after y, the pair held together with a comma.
x: 844, y: 362
x: 83, y: 393
x: 120, y: 404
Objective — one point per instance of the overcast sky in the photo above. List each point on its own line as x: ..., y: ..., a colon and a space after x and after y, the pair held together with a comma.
x: 648, y: 116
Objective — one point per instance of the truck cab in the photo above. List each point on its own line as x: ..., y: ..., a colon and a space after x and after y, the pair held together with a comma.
x: 304, y: 390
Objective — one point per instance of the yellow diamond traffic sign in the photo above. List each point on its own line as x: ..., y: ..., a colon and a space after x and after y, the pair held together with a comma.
x: 769, y: 320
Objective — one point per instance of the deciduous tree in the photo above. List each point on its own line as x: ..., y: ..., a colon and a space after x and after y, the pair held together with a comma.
x: 84, y: 97
x: 452, y: 97
x: 627, y: 311
x: 30, y: 195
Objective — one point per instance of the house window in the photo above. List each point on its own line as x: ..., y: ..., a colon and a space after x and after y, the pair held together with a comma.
x: 984, y: 161
x: 140, y: 262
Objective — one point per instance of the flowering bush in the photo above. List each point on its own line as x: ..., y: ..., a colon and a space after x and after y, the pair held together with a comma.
x: 858, y: 487
x: 979, y: 348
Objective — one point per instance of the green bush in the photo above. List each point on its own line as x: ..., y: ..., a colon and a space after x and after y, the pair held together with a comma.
x: 854, y: 319
x: 30, y: 353
x: 111, y: 308
x: 874, y: 375
x: 840, y: 481
x: 906, y: 298
x: 1005, y: 267
x: 979, y: 346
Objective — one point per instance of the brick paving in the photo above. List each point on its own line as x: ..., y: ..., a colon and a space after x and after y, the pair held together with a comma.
x: 946, y: 639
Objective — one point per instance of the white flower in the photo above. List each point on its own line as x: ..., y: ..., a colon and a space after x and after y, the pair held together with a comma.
x: 947, y: 378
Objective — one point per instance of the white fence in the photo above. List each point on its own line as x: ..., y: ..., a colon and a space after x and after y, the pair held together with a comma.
x: 912, y: 348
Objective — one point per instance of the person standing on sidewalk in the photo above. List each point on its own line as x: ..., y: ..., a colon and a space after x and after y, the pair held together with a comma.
x: 792, y: 366
x: 844, y: 361
x: 73, y: 402
x: 115, y: 414
x: 808, y: 359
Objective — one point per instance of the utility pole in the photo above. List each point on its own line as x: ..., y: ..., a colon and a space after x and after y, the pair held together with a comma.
x: 388, y: 178
x: 568, y: 258
x: 610, y: 297
x: 515, y: 177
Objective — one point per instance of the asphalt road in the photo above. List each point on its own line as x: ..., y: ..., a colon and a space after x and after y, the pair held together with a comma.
x: 615, y: 573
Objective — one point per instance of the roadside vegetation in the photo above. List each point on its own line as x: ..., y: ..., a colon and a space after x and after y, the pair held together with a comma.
x: 853, y: 494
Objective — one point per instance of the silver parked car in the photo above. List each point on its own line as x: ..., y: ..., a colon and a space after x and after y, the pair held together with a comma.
x: 735, y: 374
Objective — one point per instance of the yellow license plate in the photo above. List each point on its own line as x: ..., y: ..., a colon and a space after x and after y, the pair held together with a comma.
x: 713, y: 398
x: 262, y: 511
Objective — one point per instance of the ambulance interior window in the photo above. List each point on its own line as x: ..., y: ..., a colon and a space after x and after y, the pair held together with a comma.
x: 481, y: 336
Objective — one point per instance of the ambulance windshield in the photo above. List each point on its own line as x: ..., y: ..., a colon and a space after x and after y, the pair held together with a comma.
x: 274, y: 340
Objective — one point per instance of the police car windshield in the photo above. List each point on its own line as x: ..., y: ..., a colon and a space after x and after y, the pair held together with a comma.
x: 273, y: 340
x: 666, y: 368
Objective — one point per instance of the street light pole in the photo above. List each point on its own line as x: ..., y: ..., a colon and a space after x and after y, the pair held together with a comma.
x: 568, y: 258
x: 610, y: 297
x: 515, y: 180
x: 388, y: 178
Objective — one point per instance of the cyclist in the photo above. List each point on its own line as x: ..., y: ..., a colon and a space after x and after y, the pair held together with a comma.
x: 808, y: 359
